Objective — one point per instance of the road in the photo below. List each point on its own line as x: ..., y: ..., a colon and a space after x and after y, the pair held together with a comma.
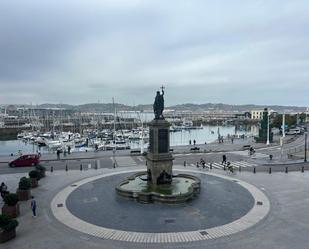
x: 106, y: 159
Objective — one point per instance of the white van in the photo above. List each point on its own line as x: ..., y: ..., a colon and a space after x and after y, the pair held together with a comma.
x: 294, y: 131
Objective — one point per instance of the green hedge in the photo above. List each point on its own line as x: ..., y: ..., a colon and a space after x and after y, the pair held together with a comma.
x: 34, y: 174
x: 11, y: 199
x: 7, y: 223
x: 24, y: 183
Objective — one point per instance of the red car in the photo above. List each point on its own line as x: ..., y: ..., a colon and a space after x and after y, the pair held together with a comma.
x: 25, y: 160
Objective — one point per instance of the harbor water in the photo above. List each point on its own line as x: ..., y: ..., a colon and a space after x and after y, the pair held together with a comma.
x: 205, y: 134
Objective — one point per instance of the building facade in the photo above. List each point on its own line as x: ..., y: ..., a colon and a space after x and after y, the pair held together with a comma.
x: 257, y: 114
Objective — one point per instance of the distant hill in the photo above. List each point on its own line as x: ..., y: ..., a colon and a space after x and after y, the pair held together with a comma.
x: 109, y: 107
x: 234, y: 108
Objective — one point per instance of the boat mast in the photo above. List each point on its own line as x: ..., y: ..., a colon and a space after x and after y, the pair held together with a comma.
x: 142, y: 142
x: 114, y: 131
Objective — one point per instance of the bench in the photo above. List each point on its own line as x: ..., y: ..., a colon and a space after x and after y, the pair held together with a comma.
x: 135, y: 152
x: 246, y: 147
x: 195, y: 149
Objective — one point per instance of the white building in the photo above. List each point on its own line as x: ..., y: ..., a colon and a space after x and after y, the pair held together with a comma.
x: 257, y: 114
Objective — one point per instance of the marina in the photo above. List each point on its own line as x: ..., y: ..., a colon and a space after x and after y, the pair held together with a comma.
x: 122, y: 139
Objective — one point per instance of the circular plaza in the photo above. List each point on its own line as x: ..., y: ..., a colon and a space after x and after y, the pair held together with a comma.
x: 225, y: 206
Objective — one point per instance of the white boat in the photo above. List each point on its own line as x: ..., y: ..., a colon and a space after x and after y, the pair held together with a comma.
x: 54, y: 144
x: 187, y: 124
x: 41, y: 141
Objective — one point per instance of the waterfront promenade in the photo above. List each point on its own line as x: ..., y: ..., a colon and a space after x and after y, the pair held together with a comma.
x: 284, y: 227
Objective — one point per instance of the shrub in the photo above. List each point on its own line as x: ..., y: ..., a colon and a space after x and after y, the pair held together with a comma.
x: 41, y: 170
x: 34, y: 174
x: 24, y: 183
x: 11, y: 199
x: 7, y: 223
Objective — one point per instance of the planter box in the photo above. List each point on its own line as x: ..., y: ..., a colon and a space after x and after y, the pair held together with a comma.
x: 23, y: 195
x: 7, y: 235
x: 12, y: 211
x: 34, y: 182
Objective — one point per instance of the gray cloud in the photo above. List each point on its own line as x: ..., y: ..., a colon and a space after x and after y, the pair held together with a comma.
x: 203, y: 51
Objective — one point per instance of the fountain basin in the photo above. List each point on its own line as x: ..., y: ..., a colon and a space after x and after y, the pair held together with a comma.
x: 182, y: 189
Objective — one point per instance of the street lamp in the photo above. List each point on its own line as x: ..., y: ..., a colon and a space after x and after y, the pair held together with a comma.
x: 283, y: 124
x: 267, y: 142
x: 306, y: 134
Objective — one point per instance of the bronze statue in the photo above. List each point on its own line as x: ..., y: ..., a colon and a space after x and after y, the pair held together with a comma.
x: 158, y: 105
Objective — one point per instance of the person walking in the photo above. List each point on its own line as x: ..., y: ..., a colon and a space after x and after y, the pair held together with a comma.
x: 223, y: 159
x: 194, y: 142
x: 58, y: 154
x: 3, y: 190
x: 33, y: 206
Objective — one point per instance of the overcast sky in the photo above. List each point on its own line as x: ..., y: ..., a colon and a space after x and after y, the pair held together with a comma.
x: 230, y: 51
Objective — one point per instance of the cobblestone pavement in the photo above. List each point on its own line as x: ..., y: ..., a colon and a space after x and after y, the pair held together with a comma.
x: 286, y: 226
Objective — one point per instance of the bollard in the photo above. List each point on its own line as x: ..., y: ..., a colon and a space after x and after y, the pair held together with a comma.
x: 254, y: 170
x: 239, y: 168
x: 210, y: 166
x: 184, y: 163
x: 269, y: 170
x: 51, y: 169
x: 66, y: 167
x: 80, y: 167
x: 302, y: 169
x: 286, y: 170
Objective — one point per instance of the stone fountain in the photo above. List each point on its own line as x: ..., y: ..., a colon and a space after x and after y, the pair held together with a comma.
x: 159, y: 184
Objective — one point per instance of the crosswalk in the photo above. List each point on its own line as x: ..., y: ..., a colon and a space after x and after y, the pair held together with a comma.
x: 127, y: 161
x: 256, y: 155
x: 124, y: 161
x: 219, y: 165
x: 188, y: 154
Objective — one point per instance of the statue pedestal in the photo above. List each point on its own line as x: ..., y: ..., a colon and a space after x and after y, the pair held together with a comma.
x: 159, y: 158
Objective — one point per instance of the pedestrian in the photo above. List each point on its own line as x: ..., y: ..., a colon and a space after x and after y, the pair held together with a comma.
x: 202, y: 161
x: 190, y: 141
x: 3, y: 189
x: 69, y: 149
x: 33, y: 206
x: 194, y: 142
x: 232, y: 139
x: 58, y: 154
x: 223, y: 159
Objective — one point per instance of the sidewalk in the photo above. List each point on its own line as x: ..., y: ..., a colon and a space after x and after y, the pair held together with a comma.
x: 285, y: 227
x: 211, y: 147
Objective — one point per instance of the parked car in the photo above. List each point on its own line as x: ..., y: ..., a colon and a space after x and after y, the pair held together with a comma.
x: 25, y: 161
x: 293, y: 131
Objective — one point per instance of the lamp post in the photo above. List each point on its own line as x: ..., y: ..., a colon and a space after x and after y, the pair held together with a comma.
x: 306, y: 135
x: 267, y: 142
x: 283, y: 124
